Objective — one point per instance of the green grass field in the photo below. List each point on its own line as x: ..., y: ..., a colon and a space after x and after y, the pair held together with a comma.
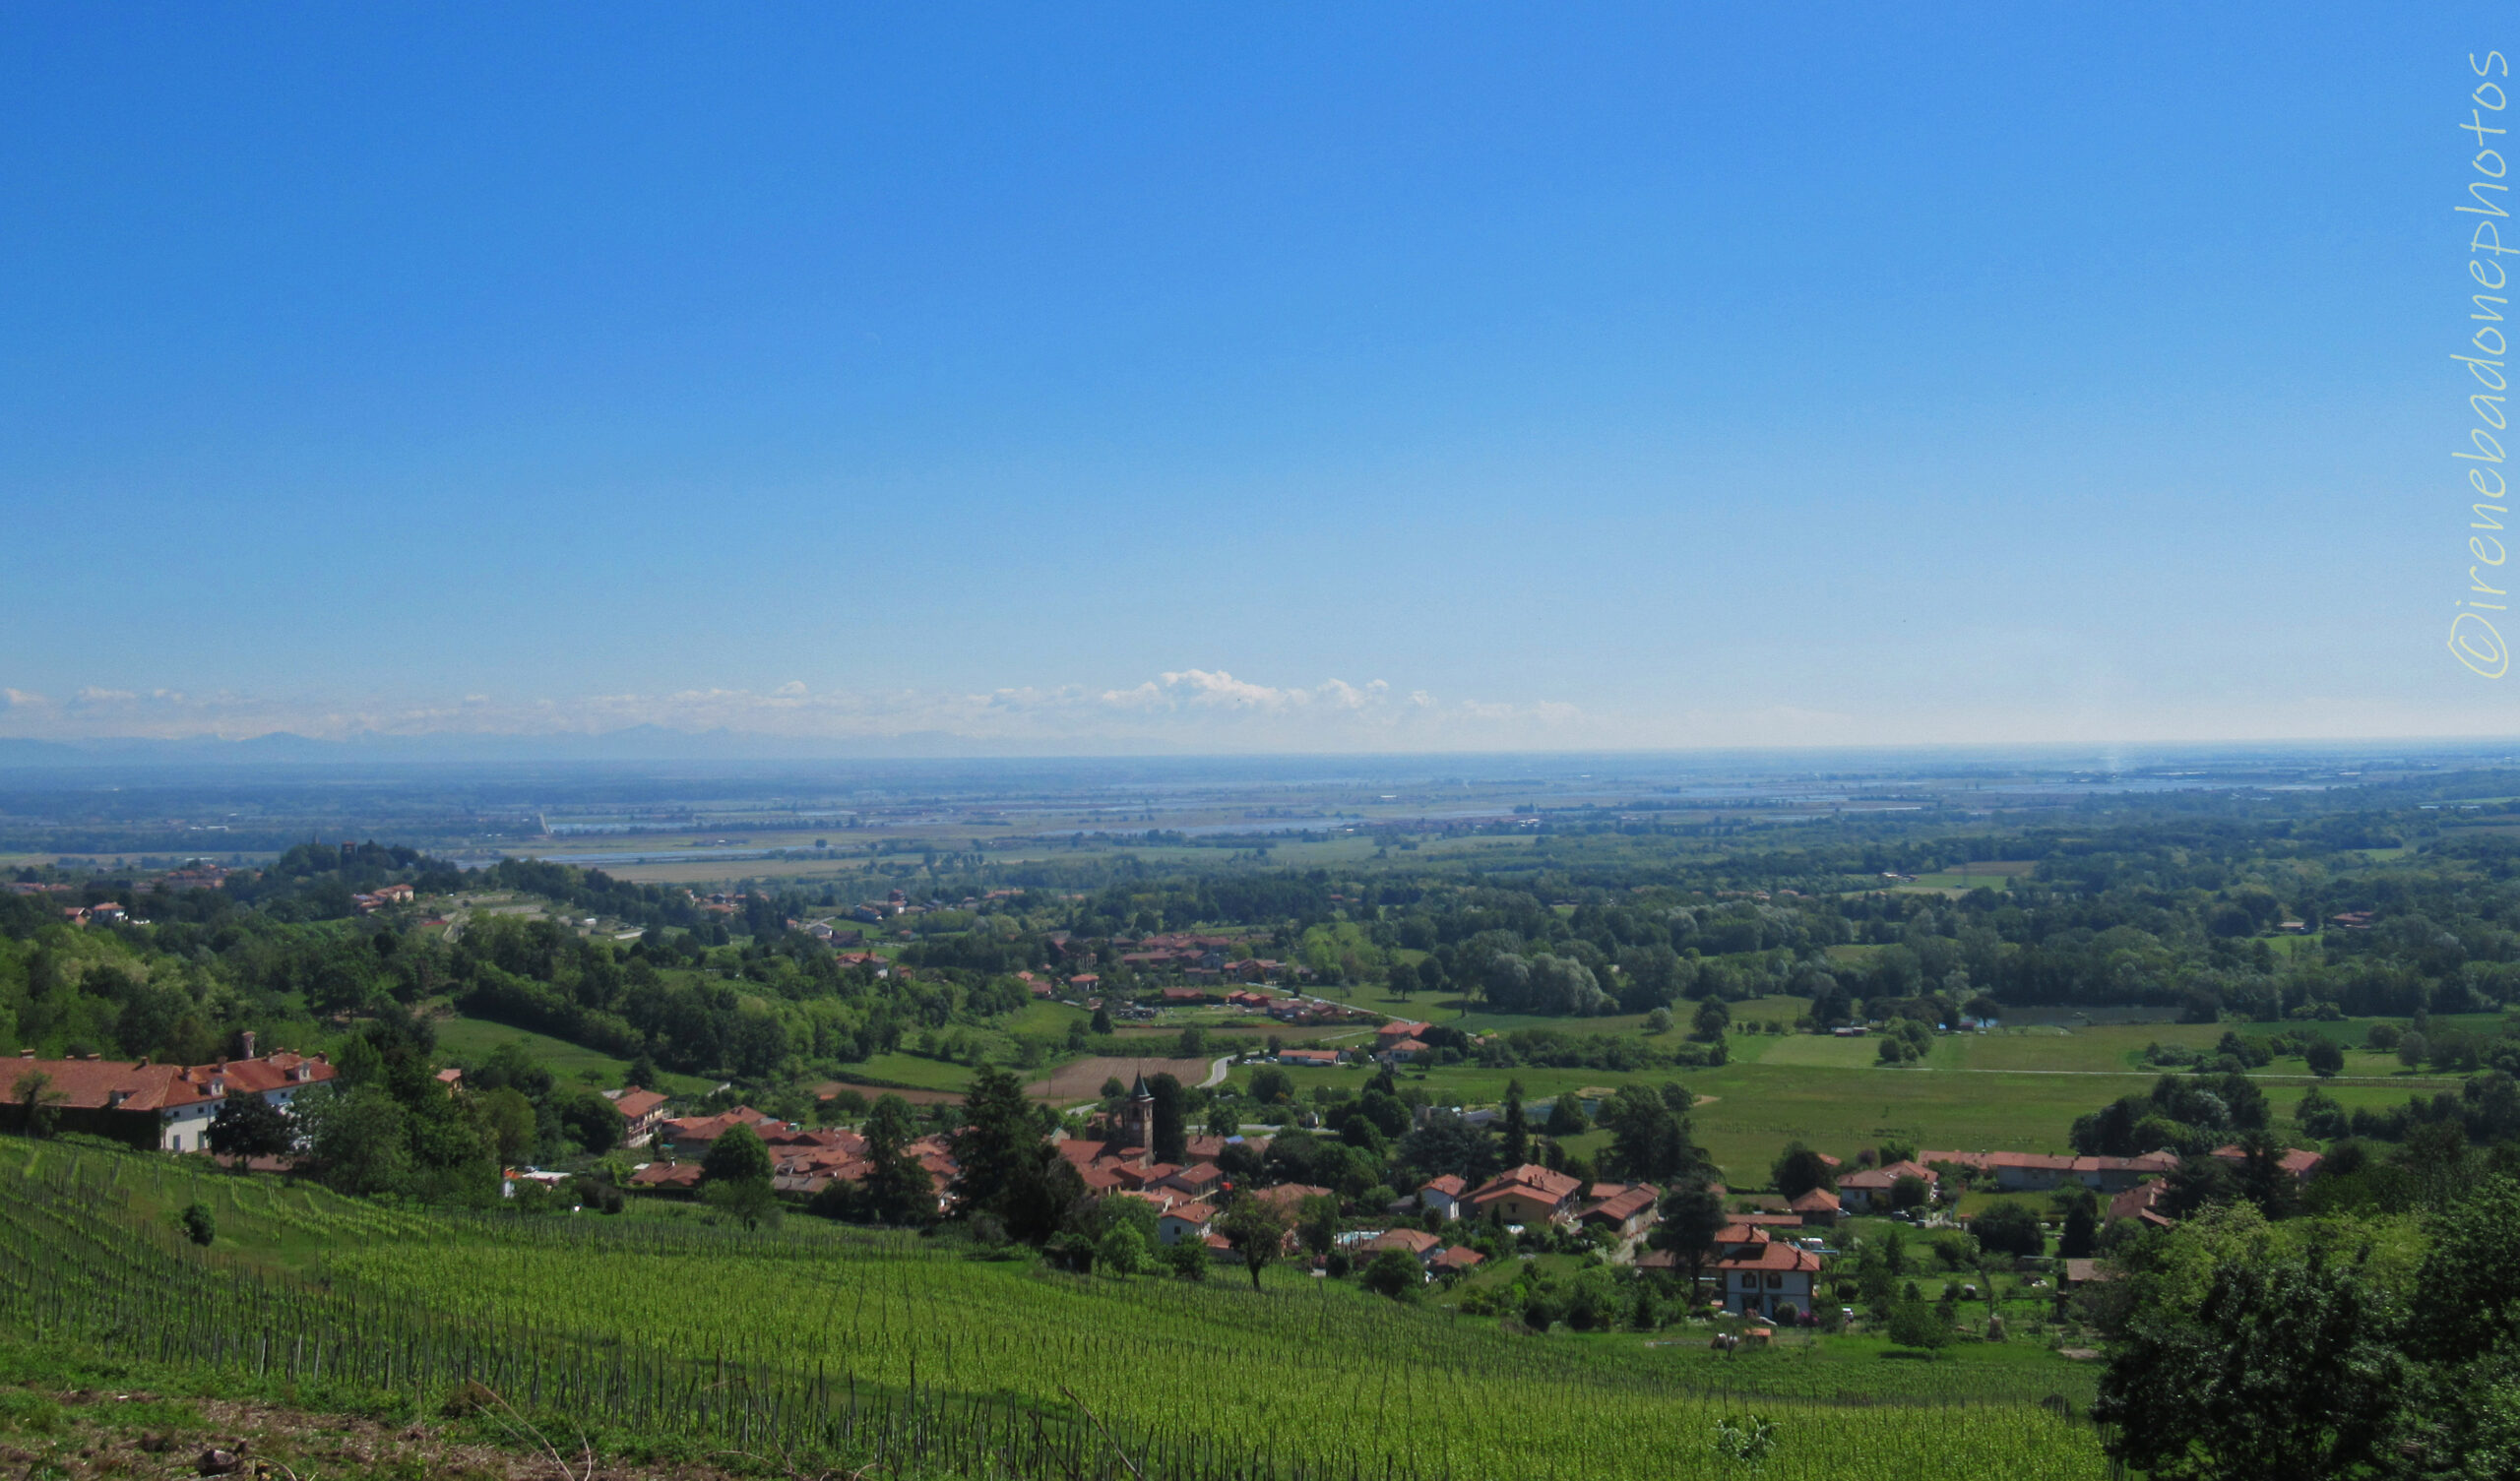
x: 472, y: 1039
x: 2008, y: 1092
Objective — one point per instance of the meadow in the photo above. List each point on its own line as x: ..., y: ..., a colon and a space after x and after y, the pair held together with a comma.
x: 869, y: 1348
x: 2004, y: 1091
x: 471, y: 1039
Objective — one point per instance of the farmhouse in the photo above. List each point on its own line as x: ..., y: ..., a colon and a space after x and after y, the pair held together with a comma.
x: 1621, y: 1210
x: 1184, y: 1220
x: 1417, y: 1242
x: 165, y: 1106
x: 1287, y: 1197
x: 642, y: 1112
x: 693, y: 1136
x: 1529, y: 1195
x: 2139, y: 1204
x: 1863, y: 1192
x: 662, y: 1176
x: 1766, y: 1276
x: 1818, y: 1207
x: 1443, y: 1196
x: 1392, y: 1034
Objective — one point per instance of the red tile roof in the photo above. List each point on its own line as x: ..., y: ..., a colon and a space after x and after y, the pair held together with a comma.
x: 1416, y: 1241
x: 634, y: 1103
x: 139, y: 1086
x: 1531, y: 1181
x: 1775, y: 1255
x: 1622, y: 1206
x: 1882, y: 1179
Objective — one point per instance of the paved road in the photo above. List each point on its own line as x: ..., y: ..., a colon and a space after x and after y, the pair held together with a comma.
x: 1216, y: 1073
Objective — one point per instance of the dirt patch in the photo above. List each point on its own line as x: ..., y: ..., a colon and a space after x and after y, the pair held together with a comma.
x: 83, y: 1432
x: 1083, y: 1079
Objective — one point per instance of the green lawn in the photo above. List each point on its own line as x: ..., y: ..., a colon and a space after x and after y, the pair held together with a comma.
x: 908, y: 1070
x: 1041, y: 1018
x: 472, y: 1039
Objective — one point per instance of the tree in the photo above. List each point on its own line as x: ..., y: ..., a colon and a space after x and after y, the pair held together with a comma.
x: 739, y: 1154
x: 508, y: 1118
x: 1253, y: 1228
x: 1188, y: 1259
x: 1798, y: 1170
x: 1220, y: 1120
x: 1915, y: 1323
x: 1649, y: 1137
x: 1430, y: 976
x: 198, y: 1224
x: 2081, y: 1238
x: 1170, y: 1143
x: 37, y: 1101
x: 1102, y: 1019
x: 1691, y: 1217
x: 1007, y: 1165
x: 248, y: 1126
x: 1909, y: 1192
x: 1711, y: 1021
x: 2282, y: 1371
x: 1317, y: 1223
x: 1565, y: 1118
x: 2325, y: 1057
x: 1393, y: 1273
x: 998, y: 1138
x: 592, y: 1122
x: 2011, y: 1229
x: 2468, y: 1293
x: 1515, y: 1133
x: 735, y: 1177
x: 897, y: 1189
x: 1122, y: 1250
x: 359, y: 1139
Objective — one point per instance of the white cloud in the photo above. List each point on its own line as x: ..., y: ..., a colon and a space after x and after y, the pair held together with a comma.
x: 1187, y: 708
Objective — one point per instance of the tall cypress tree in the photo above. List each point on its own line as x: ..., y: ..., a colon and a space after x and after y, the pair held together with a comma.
x: 1169, y: 1136
x: 1517, y: 1133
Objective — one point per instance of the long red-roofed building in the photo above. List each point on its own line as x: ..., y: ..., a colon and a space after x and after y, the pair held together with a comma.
x: 165, y: 1106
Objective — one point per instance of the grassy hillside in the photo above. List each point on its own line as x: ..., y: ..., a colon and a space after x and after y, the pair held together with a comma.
x: 837, y: 1343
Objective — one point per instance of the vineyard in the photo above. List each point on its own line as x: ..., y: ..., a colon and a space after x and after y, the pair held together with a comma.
x: 912, y: 1357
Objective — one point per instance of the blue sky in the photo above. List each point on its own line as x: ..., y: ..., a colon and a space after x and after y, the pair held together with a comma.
x: 1339, y: 378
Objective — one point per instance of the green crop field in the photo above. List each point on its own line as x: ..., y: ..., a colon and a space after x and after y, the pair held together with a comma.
x: 869, y: 1349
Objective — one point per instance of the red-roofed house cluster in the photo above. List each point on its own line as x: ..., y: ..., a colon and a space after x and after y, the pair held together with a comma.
x: 165, y: 1106
x: 1186, y: 1195
x: 804, y: 1160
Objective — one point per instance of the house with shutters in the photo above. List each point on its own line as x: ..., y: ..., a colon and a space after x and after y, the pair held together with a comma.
x: 1760, y: 1276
